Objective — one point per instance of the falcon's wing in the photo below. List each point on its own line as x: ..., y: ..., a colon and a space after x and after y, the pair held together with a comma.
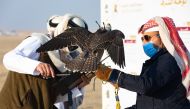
x: 72, y: 36
x: 112, y: 41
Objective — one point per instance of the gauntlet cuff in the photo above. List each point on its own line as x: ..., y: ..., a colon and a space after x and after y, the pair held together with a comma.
x: 114, y: 76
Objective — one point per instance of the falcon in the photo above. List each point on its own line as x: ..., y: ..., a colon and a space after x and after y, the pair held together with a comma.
x: 82, y: 50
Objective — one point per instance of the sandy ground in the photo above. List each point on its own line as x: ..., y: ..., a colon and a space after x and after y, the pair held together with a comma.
x: 92, y: 99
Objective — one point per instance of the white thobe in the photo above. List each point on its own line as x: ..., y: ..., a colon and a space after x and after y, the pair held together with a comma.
x: 24, y: 59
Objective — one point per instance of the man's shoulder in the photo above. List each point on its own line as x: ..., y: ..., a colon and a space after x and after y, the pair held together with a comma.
x: 40, y: 37
x: 167, y: 60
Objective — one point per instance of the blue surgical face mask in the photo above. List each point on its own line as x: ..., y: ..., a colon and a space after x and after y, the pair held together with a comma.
x: 149, y: 49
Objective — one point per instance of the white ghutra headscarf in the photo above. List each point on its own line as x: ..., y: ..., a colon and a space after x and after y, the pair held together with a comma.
x: 58, y: 24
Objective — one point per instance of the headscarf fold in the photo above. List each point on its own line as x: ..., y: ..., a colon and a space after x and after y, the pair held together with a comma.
x: 53, y: 22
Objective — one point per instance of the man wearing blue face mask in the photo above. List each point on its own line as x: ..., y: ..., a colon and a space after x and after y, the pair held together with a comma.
x: 163, y: 82
x: 149, y: 46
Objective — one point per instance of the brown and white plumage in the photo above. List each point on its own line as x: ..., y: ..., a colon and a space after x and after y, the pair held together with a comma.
x: 92, y: 46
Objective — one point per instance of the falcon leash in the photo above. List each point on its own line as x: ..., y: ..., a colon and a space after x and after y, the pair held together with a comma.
x: 118, y: 106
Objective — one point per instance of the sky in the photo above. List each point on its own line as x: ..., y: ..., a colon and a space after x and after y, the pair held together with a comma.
x: 32, y: 15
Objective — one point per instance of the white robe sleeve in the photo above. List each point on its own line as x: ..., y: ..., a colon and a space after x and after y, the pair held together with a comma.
x: 23, y: 59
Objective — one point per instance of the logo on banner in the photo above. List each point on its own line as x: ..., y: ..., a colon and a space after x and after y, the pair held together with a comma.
x: 173, y: 2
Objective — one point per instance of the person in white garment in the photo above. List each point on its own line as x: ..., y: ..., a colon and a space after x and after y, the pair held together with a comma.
x: 24, y: 58
x: 55, y: 26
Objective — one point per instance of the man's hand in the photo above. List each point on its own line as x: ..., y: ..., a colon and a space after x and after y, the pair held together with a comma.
x: 45, y: 70
x: 103, y: 72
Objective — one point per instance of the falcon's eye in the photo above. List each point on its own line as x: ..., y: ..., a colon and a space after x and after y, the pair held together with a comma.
x: 95, y: 52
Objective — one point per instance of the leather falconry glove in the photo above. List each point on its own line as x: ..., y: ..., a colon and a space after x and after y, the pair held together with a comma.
x: 103, y: 72
x: 107, y: 74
